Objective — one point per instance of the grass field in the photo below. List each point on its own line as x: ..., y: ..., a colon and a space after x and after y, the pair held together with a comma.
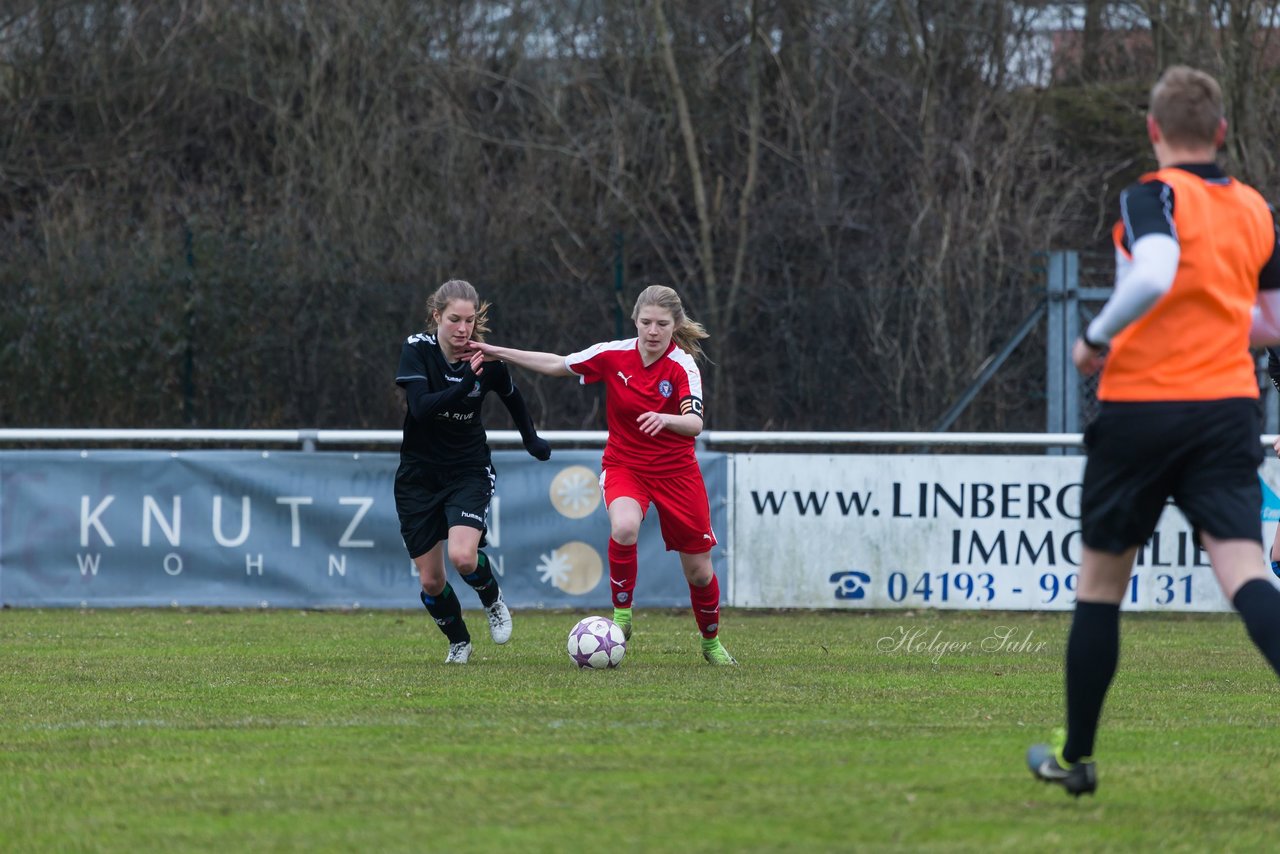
x: 283, y: 731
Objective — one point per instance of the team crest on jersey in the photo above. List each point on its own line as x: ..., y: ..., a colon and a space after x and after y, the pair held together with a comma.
x: 475, y: 392
x: 665, y: 389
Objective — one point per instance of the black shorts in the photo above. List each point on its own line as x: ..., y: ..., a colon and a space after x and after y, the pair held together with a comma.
x: 430, y: 501
x: 1203, y: 454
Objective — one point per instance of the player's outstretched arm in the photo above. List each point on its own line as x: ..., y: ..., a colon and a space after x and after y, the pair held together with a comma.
x: 542, y: 363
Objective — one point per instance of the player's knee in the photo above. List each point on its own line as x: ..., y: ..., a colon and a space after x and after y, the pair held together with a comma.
x: 463, y: 559
x: 699, y: 579
x: 699, y: 573
x: 625, y: 534
x: 432, y: 583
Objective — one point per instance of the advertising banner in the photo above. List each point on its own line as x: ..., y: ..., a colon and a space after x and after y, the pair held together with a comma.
x: 319, y: 530
x: 291, y: 529
x: 994, y: 532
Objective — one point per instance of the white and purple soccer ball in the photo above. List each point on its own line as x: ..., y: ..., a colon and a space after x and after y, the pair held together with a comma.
x: 596, y: 643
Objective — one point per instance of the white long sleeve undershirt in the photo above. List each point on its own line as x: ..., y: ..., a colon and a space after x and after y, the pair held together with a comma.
x: 1140, y: 282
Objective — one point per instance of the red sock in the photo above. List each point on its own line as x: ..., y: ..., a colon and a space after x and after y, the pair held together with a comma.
x: 622, y: 572
x: 706, y: 607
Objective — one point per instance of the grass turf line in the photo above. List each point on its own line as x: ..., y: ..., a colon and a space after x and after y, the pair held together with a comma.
x: 285, y: 730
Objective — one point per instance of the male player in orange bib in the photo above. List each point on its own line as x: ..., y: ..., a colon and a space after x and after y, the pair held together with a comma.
x: 1197, y: 283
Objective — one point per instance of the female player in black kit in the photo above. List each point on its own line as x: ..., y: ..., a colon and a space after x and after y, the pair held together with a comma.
x: 446, y: 478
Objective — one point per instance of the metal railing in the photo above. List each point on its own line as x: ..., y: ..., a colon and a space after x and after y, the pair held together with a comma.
x: 311, y: 440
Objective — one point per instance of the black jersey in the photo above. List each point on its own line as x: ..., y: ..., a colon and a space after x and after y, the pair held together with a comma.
x: 442, y: 425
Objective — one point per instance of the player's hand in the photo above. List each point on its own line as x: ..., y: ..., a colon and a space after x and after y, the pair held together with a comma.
x: 482, y: 348
x: 1276, y: 447
x: 651, y: 423
x: 476, y: 361
x: 539, y: 448
x: 1089, y: 360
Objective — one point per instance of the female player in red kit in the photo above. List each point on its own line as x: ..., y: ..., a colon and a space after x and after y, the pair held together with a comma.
x: 653, y: 405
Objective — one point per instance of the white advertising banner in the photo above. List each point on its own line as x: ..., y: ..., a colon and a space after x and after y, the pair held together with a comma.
x: 942, y: 531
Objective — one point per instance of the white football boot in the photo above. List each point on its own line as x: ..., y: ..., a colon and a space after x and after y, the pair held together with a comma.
x: 499, y: 620
x: 459, y: 653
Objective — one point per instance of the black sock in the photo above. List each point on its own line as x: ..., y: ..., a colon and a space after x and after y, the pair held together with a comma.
x: 447, y: 611
x: 482, y: 581
x: 1093, y: 650
x: 1259, y: 605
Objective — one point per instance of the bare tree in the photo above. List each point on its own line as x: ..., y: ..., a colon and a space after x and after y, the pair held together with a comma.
x: 229, y: 214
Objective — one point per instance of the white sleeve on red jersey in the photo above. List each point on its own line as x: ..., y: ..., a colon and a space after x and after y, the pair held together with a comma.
x: 592, y: 364
x: 688, y: 383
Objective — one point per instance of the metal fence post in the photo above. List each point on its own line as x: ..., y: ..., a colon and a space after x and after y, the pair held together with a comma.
x: 1055, y: 344
x: 1062, y: 386
x: 1071, y: 331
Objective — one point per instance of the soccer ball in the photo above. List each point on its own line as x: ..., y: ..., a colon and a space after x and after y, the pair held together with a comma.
x: 596, y: 643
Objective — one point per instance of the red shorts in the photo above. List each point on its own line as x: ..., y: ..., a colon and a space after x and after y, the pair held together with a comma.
x: 683, y: 511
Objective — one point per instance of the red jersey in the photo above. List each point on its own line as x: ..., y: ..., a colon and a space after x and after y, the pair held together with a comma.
x: 671, y: 385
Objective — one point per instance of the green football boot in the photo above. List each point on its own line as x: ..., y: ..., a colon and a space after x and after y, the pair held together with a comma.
x: 715, y: 653
x: 622, y: 617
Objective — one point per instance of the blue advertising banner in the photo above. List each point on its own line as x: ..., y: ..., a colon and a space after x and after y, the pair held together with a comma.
x: 293, y: 529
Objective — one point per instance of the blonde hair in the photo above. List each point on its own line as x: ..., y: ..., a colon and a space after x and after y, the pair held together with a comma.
x: 687, y: 332
x: 1187, y: 105
x: 457, y: 289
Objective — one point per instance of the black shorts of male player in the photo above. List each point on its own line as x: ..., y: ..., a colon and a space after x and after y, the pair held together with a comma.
x: 430, y: 501
x: 1203, y: 454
